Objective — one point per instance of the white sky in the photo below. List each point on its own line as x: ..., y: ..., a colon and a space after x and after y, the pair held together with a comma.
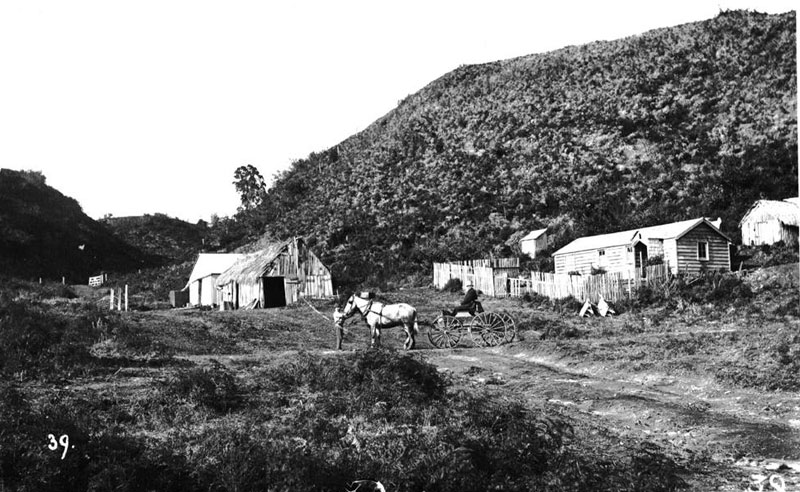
x: 149, y: 106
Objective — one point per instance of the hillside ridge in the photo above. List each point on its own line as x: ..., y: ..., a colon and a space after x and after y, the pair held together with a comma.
x: 694, y: 120
x: 45, y: 234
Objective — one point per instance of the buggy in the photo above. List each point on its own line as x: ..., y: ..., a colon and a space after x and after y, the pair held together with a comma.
x: 485, y: 329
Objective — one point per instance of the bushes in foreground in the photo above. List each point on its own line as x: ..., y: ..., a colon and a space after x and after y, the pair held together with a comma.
x: 772, y: 362
x: 712, y: 287
x: 42, y: 338
x: 309, y: 422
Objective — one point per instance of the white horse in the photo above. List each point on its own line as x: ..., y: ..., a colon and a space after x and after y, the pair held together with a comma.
x: 379, y: 315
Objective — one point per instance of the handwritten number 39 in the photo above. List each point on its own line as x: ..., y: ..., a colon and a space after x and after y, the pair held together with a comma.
x: 63, y: 441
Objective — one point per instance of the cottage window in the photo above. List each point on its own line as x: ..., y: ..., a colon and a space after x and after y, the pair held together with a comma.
x: 702, y: 250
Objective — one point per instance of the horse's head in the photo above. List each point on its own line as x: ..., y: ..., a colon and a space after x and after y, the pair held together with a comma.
x: 349, y: 307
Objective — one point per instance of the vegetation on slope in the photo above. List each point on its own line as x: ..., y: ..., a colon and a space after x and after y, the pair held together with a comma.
x: 694, y: 120
x: 46, y: 234
x: 169, y: 238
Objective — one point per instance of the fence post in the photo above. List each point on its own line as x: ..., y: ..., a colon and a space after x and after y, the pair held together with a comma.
x: 126, y: 298
x: 119, y: 300
x: 111, y: 306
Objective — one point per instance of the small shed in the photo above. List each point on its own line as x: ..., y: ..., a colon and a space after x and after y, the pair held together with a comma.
x: 689, y: 246
x: 202, y: 284
x: 178, y: 298
x: 770, y: 221
x: 277, y: 275
x: 534, y: 242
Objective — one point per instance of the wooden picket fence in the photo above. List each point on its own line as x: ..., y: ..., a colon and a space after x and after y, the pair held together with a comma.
x: 482, y: 277
x: 496, y: 282
x: 610, y: 286
x: 498, y: 263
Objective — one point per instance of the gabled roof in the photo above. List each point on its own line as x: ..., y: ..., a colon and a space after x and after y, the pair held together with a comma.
x: 786, y: 211
x: 253, y: 265
x: 533, y: 235
x: 674, y: 230
x: 212, y: 264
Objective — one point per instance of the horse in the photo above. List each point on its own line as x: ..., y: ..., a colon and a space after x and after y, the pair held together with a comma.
x: 379, y: 315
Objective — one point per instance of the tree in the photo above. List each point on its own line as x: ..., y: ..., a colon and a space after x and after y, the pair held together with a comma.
x: 251, y: 187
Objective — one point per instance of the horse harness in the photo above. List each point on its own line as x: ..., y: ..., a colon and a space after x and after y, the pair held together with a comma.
x: 368, y: 310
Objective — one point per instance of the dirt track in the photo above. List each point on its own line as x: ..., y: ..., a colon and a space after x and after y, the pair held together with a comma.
x: 686, y: 416
x: 726, y: 436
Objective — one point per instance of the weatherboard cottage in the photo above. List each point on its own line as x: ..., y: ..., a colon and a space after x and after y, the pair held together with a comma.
x: 689, y: 246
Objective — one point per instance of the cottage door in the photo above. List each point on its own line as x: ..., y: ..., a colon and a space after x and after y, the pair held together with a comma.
x: 640, y: 254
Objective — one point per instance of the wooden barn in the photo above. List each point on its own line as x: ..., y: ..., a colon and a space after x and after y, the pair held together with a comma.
x: 689, y: 246
x: 279, y: 274
x: 202, y: 284
x: 770, y: 221
x: 534, y: 242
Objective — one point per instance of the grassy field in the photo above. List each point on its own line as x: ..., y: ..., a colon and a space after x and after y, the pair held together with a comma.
x: 673, y: 393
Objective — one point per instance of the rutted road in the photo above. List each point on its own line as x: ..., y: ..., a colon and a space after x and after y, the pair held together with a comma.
x: 745, y: 432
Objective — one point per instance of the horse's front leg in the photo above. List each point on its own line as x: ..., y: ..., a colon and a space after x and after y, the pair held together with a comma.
x: 376, y: 335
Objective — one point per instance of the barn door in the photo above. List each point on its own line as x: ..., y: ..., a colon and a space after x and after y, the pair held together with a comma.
x: 274, y: 293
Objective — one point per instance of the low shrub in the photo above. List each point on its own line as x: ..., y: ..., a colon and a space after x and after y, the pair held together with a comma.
x: 674, y: 291
x: 376, y: 375
x: 768, y: 255
x: 558, y: 329
x: 213, y: 387
x: 453, y: 285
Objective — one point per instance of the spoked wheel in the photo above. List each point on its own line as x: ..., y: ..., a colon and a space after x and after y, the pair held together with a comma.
x: 488, y: 330
x: 511, y: 327
x: 445, y: 332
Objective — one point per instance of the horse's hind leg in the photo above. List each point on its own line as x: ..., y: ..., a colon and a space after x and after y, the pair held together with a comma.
x: 410, y: 342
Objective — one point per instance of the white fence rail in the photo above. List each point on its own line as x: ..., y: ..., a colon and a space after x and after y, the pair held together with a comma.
x: 496, y: 282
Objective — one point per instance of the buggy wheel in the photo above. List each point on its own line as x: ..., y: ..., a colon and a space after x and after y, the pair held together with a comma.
x: 445, y: 332
x: 488, y: 330
x: 510, y: 326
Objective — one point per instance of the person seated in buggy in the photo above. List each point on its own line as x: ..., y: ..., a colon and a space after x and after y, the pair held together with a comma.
x: 469, y: 303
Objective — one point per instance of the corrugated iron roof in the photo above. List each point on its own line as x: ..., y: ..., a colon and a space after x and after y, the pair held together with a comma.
x: 664, y: 231
x: 212, y: 264
x: 253, y: 265
x: 786, y: 211
x: 533, y: 235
